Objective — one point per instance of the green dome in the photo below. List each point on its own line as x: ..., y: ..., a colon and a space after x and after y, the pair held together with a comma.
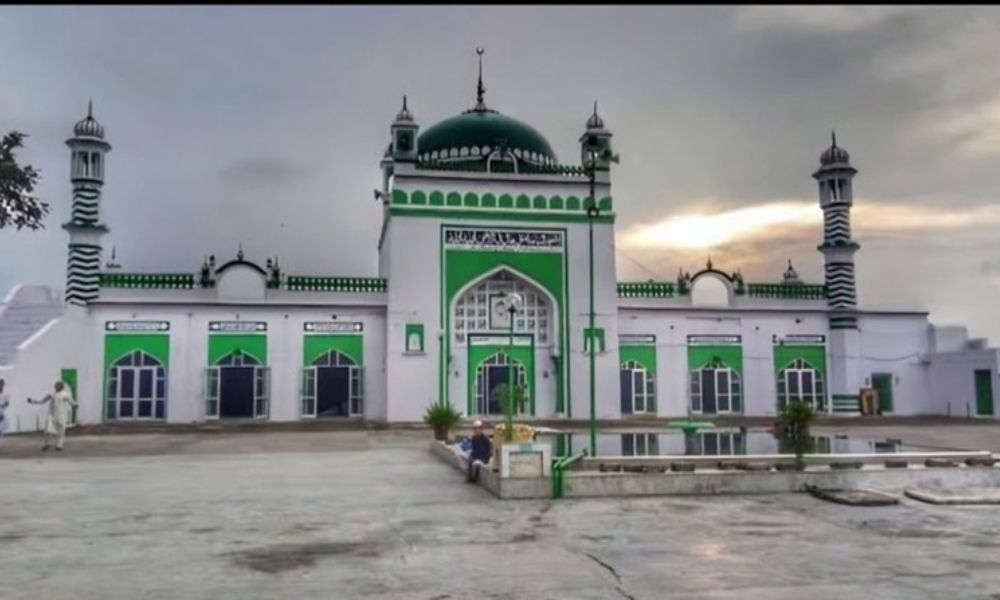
x: 473, y: 134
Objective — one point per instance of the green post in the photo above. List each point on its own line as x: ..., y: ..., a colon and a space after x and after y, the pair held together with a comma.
x: 509, y: 433
x: 592, y: 212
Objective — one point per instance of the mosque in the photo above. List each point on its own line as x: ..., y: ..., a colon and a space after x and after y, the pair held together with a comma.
x: 496, y: 263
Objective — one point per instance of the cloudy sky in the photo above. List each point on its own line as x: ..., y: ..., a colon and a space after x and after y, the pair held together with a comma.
x: 265, y: 125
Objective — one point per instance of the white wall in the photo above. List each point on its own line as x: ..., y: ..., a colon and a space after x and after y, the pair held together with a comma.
x: 189, y: 353
x: 952, y: 377
x: 898, y: 344
x: 40, y: 360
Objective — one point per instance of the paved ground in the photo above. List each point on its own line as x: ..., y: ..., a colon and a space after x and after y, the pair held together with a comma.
x: 372, y: 514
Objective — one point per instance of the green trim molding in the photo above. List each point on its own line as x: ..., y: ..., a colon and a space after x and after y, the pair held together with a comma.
x: 814, y: 355
x: 644, y: 354
x: 314, y: 346
x: 729, y: 355
x: 222, y: 344
x: 470, y: 200
x: 498, y: 215
x: 117, y: 345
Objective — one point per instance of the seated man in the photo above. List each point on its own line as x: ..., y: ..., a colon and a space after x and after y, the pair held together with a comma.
x: 482, y: 452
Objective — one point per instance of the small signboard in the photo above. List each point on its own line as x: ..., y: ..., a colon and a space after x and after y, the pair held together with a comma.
x: 636, y: 340
x: 236, y: 326
x: 130, y: 326
x: 499, y: 340
x: 801, y: 339
x: 694, y: 340
x: 333, y: 326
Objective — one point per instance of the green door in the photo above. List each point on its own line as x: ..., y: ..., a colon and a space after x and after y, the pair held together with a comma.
x: 882, y: 382
x: 984, y: 393
x: 68, y: 376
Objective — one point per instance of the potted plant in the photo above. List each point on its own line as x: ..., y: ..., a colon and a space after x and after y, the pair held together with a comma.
x: 442, y: 416
x: 501, y: 396
x: 794, y: 419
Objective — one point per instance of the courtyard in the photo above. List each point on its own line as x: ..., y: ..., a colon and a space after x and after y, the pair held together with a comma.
x: 346, y: 514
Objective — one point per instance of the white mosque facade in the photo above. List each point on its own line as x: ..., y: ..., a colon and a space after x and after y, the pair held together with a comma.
x: 474, y: 207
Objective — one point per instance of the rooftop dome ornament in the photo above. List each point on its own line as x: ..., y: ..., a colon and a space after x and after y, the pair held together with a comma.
x: 480, y: 89
x: 88, y: 126
x: 595, y: 121
x: 834, y: 154
x: 790, y: 276
x: 404, y: 113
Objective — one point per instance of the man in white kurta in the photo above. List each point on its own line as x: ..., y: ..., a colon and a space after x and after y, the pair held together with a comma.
x: 59, y: 403
x: 4, y: 403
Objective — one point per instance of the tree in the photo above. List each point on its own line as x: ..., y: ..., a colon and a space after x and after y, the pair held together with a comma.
x: 794, y: 419
x: 17, y: 206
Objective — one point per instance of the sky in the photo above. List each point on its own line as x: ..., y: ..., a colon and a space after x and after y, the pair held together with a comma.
x: 264, y: 126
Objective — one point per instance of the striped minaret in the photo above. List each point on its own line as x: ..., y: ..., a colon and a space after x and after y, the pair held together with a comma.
x: 87, y: 150
x: 835, y: 198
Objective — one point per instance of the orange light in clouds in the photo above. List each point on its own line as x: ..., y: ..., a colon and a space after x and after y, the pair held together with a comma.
x: 776, y: 219
x: 708, y: 231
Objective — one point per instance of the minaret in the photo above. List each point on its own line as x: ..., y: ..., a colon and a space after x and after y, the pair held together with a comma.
x: 87, y: 150
x: 404, y: 135
x: 597, y: 139
x: 835, y: 198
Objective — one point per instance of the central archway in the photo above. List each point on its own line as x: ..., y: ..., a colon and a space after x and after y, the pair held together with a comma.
x: 482, y: 331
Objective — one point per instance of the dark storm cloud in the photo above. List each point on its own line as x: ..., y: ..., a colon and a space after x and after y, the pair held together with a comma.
x: 265, y: 125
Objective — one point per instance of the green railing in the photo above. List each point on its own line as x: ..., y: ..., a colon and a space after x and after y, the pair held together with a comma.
x: 786, y: 290
x: 650, y: 289
x: 558, y: 471
x: 182, y: 281
x: 479, y: 166
x: 302, y: 283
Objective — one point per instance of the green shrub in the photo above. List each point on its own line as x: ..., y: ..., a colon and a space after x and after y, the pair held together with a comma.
x: 794, y: 419
x: 442, y: 416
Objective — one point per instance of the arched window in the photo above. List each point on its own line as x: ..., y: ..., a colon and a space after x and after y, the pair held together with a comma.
x: 137, y: 388
x: 716, y: 388
x: 474, y: 310
x: 238, y: 358
x: 490, y: 375
x: 332, y: 386
x: 638, y: 388
x: 799, y: 380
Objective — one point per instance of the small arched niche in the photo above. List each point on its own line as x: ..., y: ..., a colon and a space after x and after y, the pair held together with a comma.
x: 710, y: 289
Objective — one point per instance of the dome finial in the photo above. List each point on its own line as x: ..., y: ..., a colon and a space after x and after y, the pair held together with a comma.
x: 480, y: 89
x: 833, y: 138
x: 90, y: 108
x: 595, y: 121
x: 404, y: 113
x: 709, y: 262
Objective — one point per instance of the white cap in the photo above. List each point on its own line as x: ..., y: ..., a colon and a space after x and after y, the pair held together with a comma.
x: 477, y: 423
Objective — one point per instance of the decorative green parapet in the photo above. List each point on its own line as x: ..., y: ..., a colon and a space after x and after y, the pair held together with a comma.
x: 302, y: 283
x: 799, y: 291
x: 470, y: 201
x: 180, y: 281
x: 647, y: 289
x: 502, y: 167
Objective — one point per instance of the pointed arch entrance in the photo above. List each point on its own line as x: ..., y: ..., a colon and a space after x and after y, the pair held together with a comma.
x: 237, y: 386
x: 332, y: 386
x: 493, y: 344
